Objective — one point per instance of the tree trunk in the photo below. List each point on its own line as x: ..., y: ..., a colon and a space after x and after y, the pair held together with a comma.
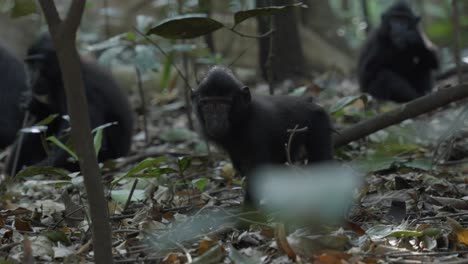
x: 286, y: 58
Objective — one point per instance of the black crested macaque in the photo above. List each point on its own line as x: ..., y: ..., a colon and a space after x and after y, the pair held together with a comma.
x: 252, y: 129
x: 395, y: 63
x: 13, y: 88
x: 107, y: 103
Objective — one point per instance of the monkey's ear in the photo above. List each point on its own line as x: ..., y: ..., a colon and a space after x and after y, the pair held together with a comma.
x: 246, y: 94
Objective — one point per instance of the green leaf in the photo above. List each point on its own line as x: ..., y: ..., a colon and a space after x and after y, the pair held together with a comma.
x: 57, y: 236
x: 183, y: 163
x: 153, y: 173
x: 98, y: 141
x: 348, y: 100
x: 405, y: 233
x: 186, y: 27
x: 33, y: 171
x: 264, y: 11
x: 432, y: 232
x: 384, y: 231
x: 46, y: 121
x: 130, y: 36
x: 102, y: 127
x: 200, y: 183
x: 374, y: 164
x: 57, y: 142
x: 99, y: 135
x: 145, y: 164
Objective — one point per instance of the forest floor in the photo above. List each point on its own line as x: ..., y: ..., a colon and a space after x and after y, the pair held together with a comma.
x: 410, y: 206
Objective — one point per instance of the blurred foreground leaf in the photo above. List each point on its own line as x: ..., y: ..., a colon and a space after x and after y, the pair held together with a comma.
x: 318, y: 193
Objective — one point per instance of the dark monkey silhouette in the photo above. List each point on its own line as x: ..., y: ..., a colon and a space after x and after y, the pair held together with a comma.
x: 107, y: 103
x: 252, y: 129
x: 13, y: 89
x: 395, y: 63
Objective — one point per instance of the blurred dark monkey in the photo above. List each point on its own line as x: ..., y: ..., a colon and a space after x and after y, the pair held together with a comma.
x: 13, y: 88
x: 395, y: 63
x: 107, y: 103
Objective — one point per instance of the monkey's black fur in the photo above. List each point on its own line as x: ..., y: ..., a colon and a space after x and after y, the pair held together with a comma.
x: 107, y: 103
x: 395, y: 63
x: 13, y: 88
x: 253, y: 128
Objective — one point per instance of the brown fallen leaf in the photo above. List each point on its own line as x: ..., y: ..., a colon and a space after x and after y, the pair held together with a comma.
x: 462, y: 233
x: 23, y: 225
x: 204, y: 246
x: 216, y: 254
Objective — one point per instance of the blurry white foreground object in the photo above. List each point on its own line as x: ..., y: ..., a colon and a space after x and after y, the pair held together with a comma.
x: 319, y: 193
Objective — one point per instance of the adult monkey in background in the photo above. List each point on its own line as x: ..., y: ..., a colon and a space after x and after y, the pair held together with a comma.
x: 107, y: 103
x: 395, y: 62
x: 253, y: 129
x: 13, y: 89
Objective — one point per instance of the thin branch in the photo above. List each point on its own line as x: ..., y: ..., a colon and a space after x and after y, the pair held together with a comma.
x: 293, y: 132
x: 129, y: 199
x: 239, y: 56
x: 266, y: 34
x: 288, y: 145
x: 412, y: 109
x: 165, y: 54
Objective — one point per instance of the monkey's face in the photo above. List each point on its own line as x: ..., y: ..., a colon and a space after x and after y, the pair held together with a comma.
x: 38, y: 81
x: 402, y: 30
x: 44, y: 79
x: 220, y: 103
x: 214, y: 115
